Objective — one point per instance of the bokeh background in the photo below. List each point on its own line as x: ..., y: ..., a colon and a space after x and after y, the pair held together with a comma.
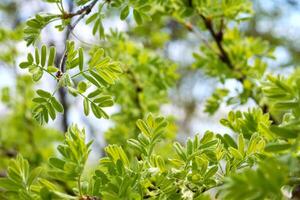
x: 277, y: 21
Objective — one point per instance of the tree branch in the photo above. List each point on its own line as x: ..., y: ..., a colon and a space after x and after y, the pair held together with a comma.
x: 62, y: 63
x: 224, y: 57
x: 218, y: 38
x: 82, y: 12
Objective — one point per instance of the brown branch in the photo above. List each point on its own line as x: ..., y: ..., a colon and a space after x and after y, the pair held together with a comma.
x: 62, y: 63
x: 218, y: 38
x: 224, y: 57
x: 82, y: 12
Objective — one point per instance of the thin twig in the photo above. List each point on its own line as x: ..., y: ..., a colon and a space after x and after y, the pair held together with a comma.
x: 224, y: 57
x: 218, y: 38
x: 82, y: 12
x: 191, y: 28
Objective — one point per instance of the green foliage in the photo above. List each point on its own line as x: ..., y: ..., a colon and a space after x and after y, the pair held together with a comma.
x: 20, y: 124
x: 263, y: 183
x: 101, y: 72
x: 19, y: 180
x: 213, y: 103
x: 242, y: 62
x: 97, y: 18
x: 131, y: 70
x: 7, y: 39
x: 47, y: 106
x: 229, y: 9
x: 142, y: 89
x: 283, y: 93
x: 37, y: 64
x: 35, y: 25
x: 151, y: 133
x: 73, y: 156
x: 247, y: 123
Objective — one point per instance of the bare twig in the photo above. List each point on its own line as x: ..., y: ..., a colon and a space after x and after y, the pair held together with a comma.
x: 83, y: 11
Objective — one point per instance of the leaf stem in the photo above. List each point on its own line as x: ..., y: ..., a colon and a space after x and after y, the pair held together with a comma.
x: 48, y: 72
x: 79, y: 185
x: 75, y: 75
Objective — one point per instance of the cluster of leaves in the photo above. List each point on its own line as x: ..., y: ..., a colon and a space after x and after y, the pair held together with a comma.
x: 140, y: 9
x: 195, y: 169
x: 7, y: 39
x: 101, y: 72
x: 213, y: 103
x: 20, y: 179
x: 20, y: 124
x: 263, y: 183
x: 244, y: 63
x: 74, y: 153
x: 37, y: 65
x: 34, y: 26
x: 228, y: 9
x: 118, y: 177
x: 259, y: 163
x: 142, y: 89
x: 21, y: 182
x: 248, y: 123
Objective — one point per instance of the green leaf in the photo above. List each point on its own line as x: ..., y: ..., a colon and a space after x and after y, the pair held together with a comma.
x: 37, y: 75
x: 286, y: 105
x: 235, y: 153
x: 82, y: 86
x: 80, y: 56
x: 92, y: 80
x: 106, y: 76
x: 91, y: 18
x: 106, y: 103
x: 137, y: 17
x: 56, y: 162
x: 24, y: 65
x: 275, y: 147
x: 37, y: 56
x: 86, y: 106
x: 51, y: 56
x: 39, y: 100
x: 180, y: 151
x: 96, y: 57
x: 284, y: 132
x: 124, y: 12
x: 96, y: 110
x: 43, y: 93
x: 212, y: 171
x: 94, y: 93
x: 43, y: 55
x: 57, y: 105
x: 230, y: 141
x: 117, y: 153
x: 241, y: 143
x: 143, y: 127
x: 30, y: 58
x: 51, y: 111
x: 52, y: 69
x: 34, y: 175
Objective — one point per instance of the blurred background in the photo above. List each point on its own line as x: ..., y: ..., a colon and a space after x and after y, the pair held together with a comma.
x: 277, y: 21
